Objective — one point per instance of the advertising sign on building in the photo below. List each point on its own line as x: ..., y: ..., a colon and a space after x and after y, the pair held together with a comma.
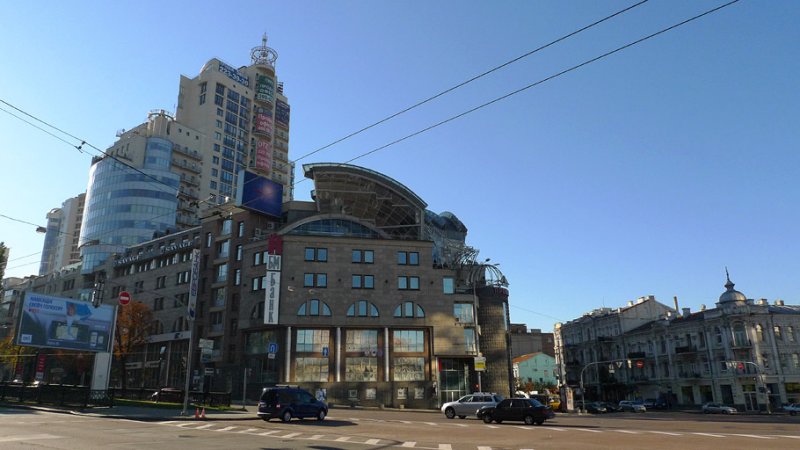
x: 263, y: 124
x: 234, y: 74
x: 273, y: 290
x: 263, y: 155
x: 265, y: 89
x: 480, y: 363
x: 282, y: 113
x: 259, y: 194
x: 193, y: 282
x: 56, y: 322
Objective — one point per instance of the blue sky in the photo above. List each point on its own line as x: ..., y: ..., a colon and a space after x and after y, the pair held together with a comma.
x: 647, y: 172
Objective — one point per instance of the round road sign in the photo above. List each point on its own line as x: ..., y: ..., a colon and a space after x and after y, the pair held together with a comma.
x: 639, y: 364
x: 124, y: 298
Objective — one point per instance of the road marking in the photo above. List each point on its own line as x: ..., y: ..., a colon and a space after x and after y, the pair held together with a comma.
x: 373, y: 441
x: 666, y: 432
x: 626, y: 431
x: 203, y: 427
x: 431, y: 424
x: 587, y: 430
x: 226, y: 429
x: 522, y: 428
x: 492, y: 426
x: 709, y: 435
x: 484, y: 448
x: 406, y: 421
x: 168, y: 422
x: 267, y: 433
x: 786, y: 436
x: 460, y: 425
x: 187, y: 424
x: 316, y: 437
x: 343, y: 439
x: 445, y: 447
x: 554, y: 428
x: 289, y: 436
x: 249, y: 430
x: 755, y: 436
x: 28, y: 437
x: 409, y: 444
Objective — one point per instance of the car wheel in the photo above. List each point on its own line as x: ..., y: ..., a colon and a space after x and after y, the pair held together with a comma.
x: 464, y: 417
x: 528, y: 420
x: 321, y: 414
x: 286, y: 416
x: 449, y: 413
x: 487, y: 419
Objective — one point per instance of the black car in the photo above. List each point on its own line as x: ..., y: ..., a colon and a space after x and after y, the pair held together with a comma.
x: 527, y: 410
x: 596, y: 408
x: 286, y: 402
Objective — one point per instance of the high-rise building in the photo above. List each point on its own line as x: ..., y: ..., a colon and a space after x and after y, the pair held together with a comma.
x: 61, y: 239
x: 245, y: 117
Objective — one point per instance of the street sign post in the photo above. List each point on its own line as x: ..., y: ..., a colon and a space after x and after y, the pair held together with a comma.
x: 124, y: 298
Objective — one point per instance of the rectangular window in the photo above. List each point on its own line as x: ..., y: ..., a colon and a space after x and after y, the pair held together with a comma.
x: 408, y: 258
x: 158, y: 304
x: 363, y: 256
x: 218, y: 298
x: 222, y: 273
x: 408, y: 341
x: 311, y: 369
x: 209, y: 240
x: 183, y: 277
x: 257, y: 259
x: 469, y: 340
x: 361, y: 369
x: 161, y: 282
x: 237, y: 277
x: 363, y: 282
x: 448, y: 285
x: 463, y: 312
x: 409, y: 369
x: 241, y: 229
x: 315, y: 280
x: 362, y: 341
x: 410, y: 283
x: 223, y: 248
x: 238, y: 252
x: 316, y: 254
x: 311, y: 341
x: 227, y: 226
x: 777, y: 330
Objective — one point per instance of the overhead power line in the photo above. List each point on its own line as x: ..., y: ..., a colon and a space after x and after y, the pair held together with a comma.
x: 543, y: 80
x: 464, y: 83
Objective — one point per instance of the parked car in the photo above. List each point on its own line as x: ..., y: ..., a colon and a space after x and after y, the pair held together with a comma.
x: 286, y: 402
x: 596, y: 408
x: 649, y: 403
x: 628, y: 405
x: 792, y: 409
x: 555, y: 403
x: 469, y: 404
x: 717, y: 408
x: 527, y: 410
x: 611, y: 407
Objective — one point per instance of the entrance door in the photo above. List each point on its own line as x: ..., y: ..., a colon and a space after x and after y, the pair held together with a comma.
x: 453, y: 381
x: 750, y: 401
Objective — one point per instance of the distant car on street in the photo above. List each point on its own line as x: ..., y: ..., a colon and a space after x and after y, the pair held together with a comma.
x: 596, y: 408
x: 469, y: 404
x: 287, y: 402
x: 528, y: 410
x: 628, y: 405
x: 718, y: 408
x: 792, y: 409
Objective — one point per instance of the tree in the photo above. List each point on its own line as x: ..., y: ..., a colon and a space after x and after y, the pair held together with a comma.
x: 10, y: 357
x: 133, y: 328
x: 3, y: 259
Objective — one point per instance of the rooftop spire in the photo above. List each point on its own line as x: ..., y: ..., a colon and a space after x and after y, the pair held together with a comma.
x: 262, y: 54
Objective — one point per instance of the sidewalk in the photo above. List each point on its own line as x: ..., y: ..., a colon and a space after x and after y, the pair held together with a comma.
x: 144, y: 413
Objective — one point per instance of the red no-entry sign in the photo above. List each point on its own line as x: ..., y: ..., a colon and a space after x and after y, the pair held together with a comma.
x: 124, y: 298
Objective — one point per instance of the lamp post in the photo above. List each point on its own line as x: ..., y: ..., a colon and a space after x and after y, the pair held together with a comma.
x: 583, y: 391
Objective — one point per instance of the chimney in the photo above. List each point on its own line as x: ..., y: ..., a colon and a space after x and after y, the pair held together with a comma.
x: 778, y: 302
x: 686, y: 312
x: 630, y: 302
x: 702, y: 307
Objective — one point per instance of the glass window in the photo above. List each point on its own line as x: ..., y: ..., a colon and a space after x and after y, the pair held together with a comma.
x: 308, y: 280
x: 413, y: 258
x: 224, y: 249
x: 409, y: 341
x: 448, y: 285
x: 361, y: 369
x: 227, y: 225
x: 322, y: 280
x: 409, y: 368
x: 322, y: 254
x: 222, y: 273
x: 362, y: 308
x: 463, y: 312
x: 402, y: 258
x: 237, y: 277
x: 356, y: 256
x: 241, y: 229
x: 413, y: 283
x: 362, y: 341
x: 363, y: 256
x: 311, y: 340
x: 309, y: 254
x: 238, y: 252
x: 313, y: 307
x: 469, y: 340
x: 402, y: 282
x: 356, y: 284
x: 369, y: 282
x: 369, y: 256
x: 777, y: 330
x: 311, y: 369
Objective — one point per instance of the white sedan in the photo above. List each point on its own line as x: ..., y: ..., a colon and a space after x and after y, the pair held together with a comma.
x: 718, y: 408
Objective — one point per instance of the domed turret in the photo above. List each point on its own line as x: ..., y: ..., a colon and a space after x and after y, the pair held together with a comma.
x: 731, y: 295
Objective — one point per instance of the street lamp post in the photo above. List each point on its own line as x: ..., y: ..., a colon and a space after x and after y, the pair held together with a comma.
x: 583, y: 391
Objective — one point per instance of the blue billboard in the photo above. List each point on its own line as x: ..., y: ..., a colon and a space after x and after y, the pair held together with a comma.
x: 259, y: 194
x: 56, y: 322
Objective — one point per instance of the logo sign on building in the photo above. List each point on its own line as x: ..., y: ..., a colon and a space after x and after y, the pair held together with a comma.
x: 234, y: 74
x: 265, y: 89
x: 56, y: 322
x: 480, y: 363
x: 273, y: 290
x: 259, y: 194
x: 191, y: 308
x: 282, y: 113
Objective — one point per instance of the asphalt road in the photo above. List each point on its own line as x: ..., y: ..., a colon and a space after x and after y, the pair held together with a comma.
x: 375, y: 429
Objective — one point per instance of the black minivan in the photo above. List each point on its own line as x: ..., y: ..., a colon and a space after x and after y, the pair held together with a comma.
x: 286, y: 402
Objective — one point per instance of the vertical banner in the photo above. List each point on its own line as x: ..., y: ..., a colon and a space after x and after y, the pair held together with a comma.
x: 191, y: 308
x: 273, y: 290
x: 41, y: 362
x: 263, y: 155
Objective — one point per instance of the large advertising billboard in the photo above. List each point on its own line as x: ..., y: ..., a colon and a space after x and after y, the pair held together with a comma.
x: 259, y: 194
x: 56, y: 322
x: 263, y: 124
x: 265, y: 89
x: 263, y: 155
x: 282, y: 113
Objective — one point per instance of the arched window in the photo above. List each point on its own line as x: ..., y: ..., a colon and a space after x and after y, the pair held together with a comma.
x: 362, y: 308
x: 739, y: 335
x: 409, y: 309
x: 759, y: 332
x: 314, y: 307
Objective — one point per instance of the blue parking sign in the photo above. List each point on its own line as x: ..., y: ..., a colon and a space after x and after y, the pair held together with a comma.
x: 324, y: 351
x: 273, y: 347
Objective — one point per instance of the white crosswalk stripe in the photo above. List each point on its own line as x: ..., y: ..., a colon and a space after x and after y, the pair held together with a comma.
x: 755, y: 436
x: 409, y: 444
x: 665, y: 432
x: 445, y: 447
x: 28, y: 437
x: 227, y: 429
x: 626, y: 431
x: 373, y: 441
x: 710, y: 435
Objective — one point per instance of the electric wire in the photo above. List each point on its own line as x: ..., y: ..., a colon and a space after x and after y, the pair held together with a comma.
x: 476, y: 77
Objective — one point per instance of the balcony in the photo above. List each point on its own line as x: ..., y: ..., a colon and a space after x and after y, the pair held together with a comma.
x: 741, y: 343
x: 185, y: 151
x: 192, y: 167
x: 685, y: 349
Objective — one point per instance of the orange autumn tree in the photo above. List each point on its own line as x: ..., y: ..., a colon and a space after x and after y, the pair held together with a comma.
x: 133, y: 328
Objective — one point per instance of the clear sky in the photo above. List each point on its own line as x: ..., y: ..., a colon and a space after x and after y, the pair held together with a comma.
x: 646, y: 172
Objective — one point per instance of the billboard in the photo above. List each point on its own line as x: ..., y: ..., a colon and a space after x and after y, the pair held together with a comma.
x: 56, y: 322
x: 282, y: 113
x: 273, y: 290
x: 265, y: 89
x: 263, y: 155
x: 263, y: 124
x: 259, y: 194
